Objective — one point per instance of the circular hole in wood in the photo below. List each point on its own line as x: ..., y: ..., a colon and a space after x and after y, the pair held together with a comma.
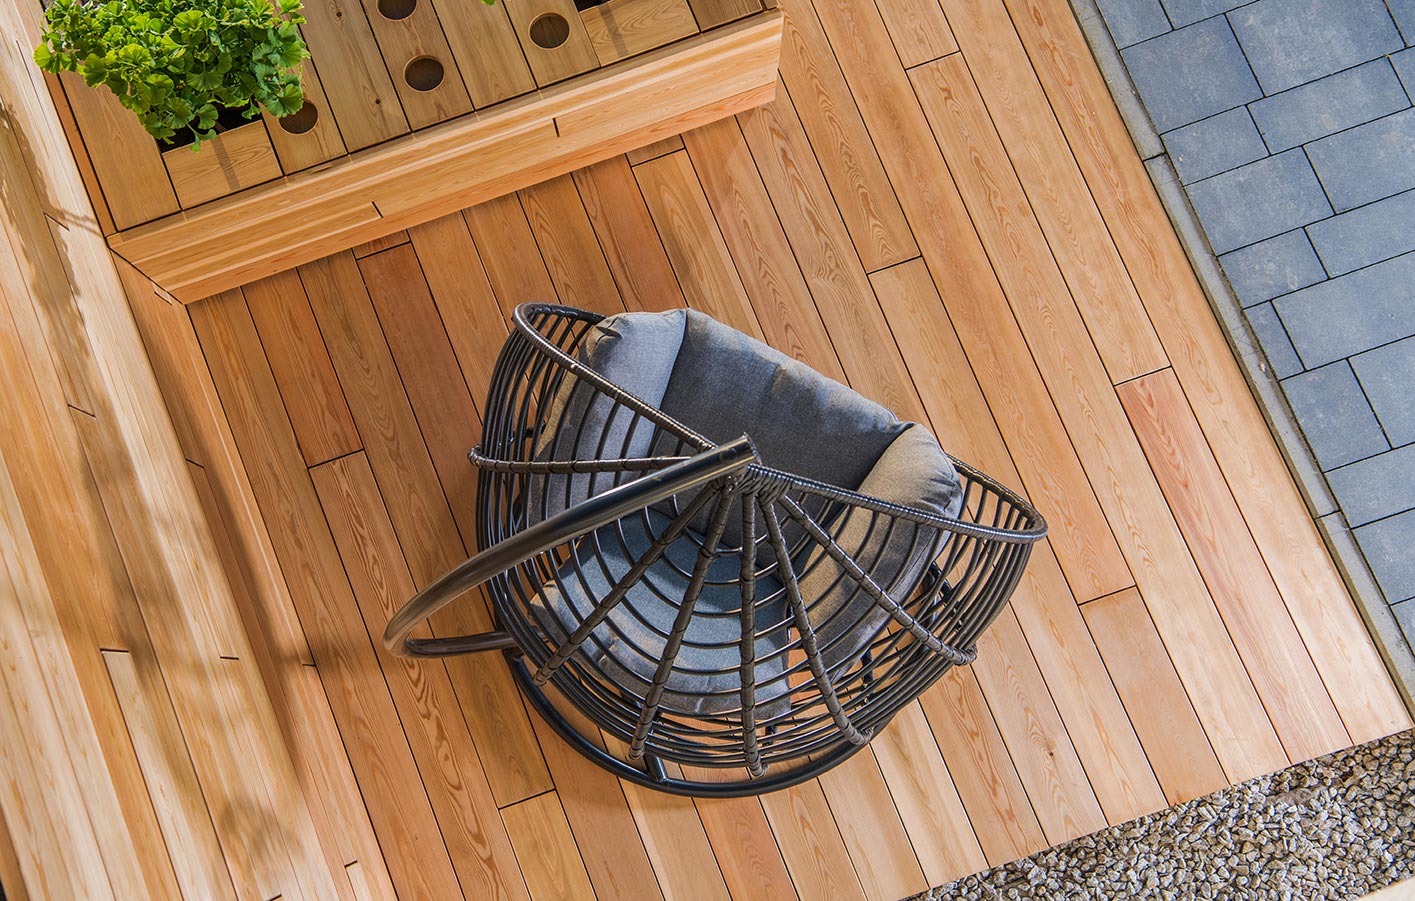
x: 396, y: 9
x: 550, y: 31
x: 423, y: 73
x: 300, y: 121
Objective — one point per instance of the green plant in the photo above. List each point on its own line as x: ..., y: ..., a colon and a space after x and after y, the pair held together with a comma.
x: 178, y: 63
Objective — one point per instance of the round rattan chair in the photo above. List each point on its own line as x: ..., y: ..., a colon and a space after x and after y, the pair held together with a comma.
x: 715, y: 572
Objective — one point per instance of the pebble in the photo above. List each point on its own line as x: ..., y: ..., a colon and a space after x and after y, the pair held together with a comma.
x: 1334, y: 828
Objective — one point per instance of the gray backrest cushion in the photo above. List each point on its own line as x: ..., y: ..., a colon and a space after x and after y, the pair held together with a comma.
x: 636, y: 352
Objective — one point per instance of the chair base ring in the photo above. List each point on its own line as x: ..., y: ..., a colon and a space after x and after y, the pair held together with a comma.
x: 743, y: 788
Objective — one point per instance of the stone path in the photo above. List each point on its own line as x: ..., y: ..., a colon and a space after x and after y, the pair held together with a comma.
x: 1290, y: 126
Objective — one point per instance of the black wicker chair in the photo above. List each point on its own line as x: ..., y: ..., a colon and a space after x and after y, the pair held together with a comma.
x: 727, y: 617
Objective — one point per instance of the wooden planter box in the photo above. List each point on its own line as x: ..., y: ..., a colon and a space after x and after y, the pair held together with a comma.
x: 416, y: 108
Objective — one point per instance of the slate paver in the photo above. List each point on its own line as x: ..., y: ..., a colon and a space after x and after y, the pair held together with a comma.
x: 1404, y: 13
x: 1335, y: 416
x: 1272, y: 337
x: 1133, y: 21
x: 1404, y: 63
x: 1376, y: 487
x: 1388, y: 376
x: 1187, y: 12
x: 1190, y: 74
x: 1387, y: 546
x: 1289, y: 42
x: 1215, y: 145
x: 1355, y: 312
x: 1259, y: 200
x: 1273, y: 267
x: 1366, y: 235
x: 1368, y: 162
x: 1329, y: 105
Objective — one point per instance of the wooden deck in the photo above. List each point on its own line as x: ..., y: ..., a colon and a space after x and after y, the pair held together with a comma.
x: 941, y: 208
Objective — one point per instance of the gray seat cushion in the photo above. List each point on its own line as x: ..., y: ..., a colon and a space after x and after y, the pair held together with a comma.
x: 722, y: 384
x: 627, y: 647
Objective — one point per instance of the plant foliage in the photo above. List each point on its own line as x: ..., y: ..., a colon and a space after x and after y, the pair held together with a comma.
x: 177, y: 63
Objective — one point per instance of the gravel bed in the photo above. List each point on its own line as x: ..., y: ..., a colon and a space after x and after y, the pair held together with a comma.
x: 1332, y: 828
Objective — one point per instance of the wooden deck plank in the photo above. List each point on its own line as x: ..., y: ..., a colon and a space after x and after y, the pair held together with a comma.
x: 235, y: 159
x: 845, y: 148
x: 298, y: 145
x: 626, y: 233
x: 677, y: 845
x: 484, y: 45
x: 298, y: 359
x: 378, y: 750
x: 1272, y: 650
x: 693, y: 242
x: 360, y: 92
x: 546, y: 849
x: 509, y: 252
x: 655, y: 150
x: 1118, y: 323
x: 432, y: 716
x: 569, y: 247
x: 623, y: 28
x: 551, y: 62
x: 1232, y: 423
x: 810, y: 843
x: 872, y: 830
x: 415, y: 50
x: 919, y: 30
x: 747, y: 854
x: 418, y: 510
x: 1174, y: 741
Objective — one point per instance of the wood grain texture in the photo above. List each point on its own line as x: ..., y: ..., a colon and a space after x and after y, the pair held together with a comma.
x: 622, y: 28
x: 483, y: 43
x: 919, y: 30
x: 356, y: 83
x: 1193, y: 340
x: 654, y: 150
x: 569, y: 247
x: 384, y: 243
x: 296, y: 149
x: 810, y: 843
x: 298, y: 359
x: 1174, y: 741
x: 552, y: 62
x: 870, y: 825
x: 546, y: 850
x: 676, y: 844
x: 408, y: 46
x: 233, y: 160
x: 1272, y: 649
x: 508, y: 250
x: 627, y: 236
x: 712, y: 13
x: 744, y: 845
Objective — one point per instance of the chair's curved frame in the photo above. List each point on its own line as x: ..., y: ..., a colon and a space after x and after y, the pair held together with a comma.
x: 933, y: 630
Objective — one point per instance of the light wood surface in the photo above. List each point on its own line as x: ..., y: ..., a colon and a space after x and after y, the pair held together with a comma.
x: 888, y: 218
x: 235, y: 159
x: 623, y: 28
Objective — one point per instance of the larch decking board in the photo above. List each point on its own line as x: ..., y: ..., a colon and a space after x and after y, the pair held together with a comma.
x: 1075, y: 675
x: 1003, y: 820
x: 546, y: 849
x: 355, y: 80
x: 509, y: 252
x: 321, y: 143
x: 759, y: 249
x: 569, y: 247
x: 872, y: 830
x: 417, y: 35
x: 235, y: 159
x: 384, y: 243
x: 10, y: 872
x: 1026, y: 716
x: 1118, y: 322
x: 747, y: 854
x: 433, y: 721
x: 1300, y: 564
x: 1143, y: 525
x: 571, y: 57
x: 627, y: 236
x: 463, y: 295
x: 712, y: 13
x: 654, y: 150
x: 676, y: 844
x: 298, y: 359
x: 1271, y: 648
x: 821, y: 245
x: 484, y: 44
x: 64, y: 110
x: 418, y: 510
x: 844, y: 144
x: 811, y: 845
x: 1174, y: 740
x: 398, y: 807
x: 919, y: 30
x: 693, y: 242
x: 937, y: 825
x: 625, y: 27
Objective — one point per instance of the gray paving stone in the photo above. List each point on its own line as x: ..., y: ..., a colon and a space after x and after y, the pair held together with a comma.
x: 1187, y: 12
x: 1269, y: 268
x: 1259, y: 200
x: 1290, y: 42
x: 1272, y: 337
x: 1405, y: 617
x: 1388, y: 545
x: 1366, y: 235
x: 1133, y: 21
x: 1404, y: 63
x: 1335, y: 417
x: 1329, y: 105
x: 1404, y: 13
x: 1356, y: 312
x: 1367, y: 162
x: 1215, y: 145
x: 1376, y: 487
x: 1190, y: 74
x: 1388, y: 375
